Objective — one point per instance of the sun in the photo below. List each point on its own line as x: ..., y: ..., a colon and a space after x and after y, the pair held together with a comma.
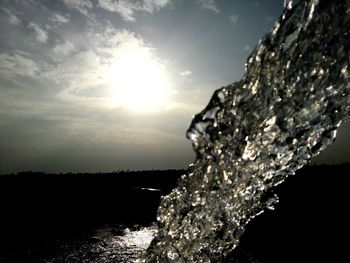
x: 138, y: 81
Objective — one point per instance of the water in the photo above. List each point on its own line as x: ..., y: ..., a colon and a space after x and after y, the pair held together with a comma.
x: 256, y: 132
x: 107, y: 246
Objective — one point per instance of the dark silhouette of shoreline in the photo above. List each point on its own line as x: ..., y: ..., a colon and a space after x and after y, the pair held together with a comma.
x: 39, y: 210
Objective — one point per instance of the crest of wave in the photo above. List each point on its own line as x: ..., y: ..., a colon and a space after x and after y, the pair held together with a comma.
x: 256, y: 132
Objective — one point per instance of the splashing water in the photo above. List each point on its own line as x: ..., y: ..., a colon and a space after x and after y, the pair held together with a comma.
x: 256, y: 132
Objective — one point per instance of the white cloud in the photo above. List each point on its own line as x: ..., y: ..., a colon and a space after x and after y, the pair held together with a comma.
x: 93, y: 77
x: 234, y: 19
x: 125, y: 8
x: 83, y: 6
x: 63, y: 50
x: 88, y: 68
x: 39, y: 34
x: 209, y: 5
x: 154, y: 5
x: 128, y: 9
x: 185, y: 73
x: 18, y: 63
x: 14, y: 20
x: 59, y: 19
x: 80, y: 71
x: 109, y: 40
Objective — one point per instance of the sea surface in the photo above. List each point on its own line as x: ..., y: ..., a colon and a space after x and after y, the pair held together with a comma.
x: 117, y: 244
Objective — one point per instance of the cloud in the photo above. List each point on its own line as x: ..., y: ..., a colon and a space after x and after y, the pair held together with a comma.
x: 18, y: 63
x: 91, y: 76
x: 234, y: 19
x: 154, y: 5
x: 39, y: 34
x: 14, y: 20
x: 83, y: 6
x: 247, y: 48
x: 185, y: 73
x: 128, y: 9
x: 63, y: 50
x: 59, y: 19
x: 125, y: 8
x: 75, y: 74
x: 209, y: 5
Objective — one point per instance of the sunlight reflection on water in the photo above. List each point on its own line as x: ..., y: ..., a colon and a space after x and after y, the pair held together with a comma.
x: 141, y: 239
x: 107, y: 246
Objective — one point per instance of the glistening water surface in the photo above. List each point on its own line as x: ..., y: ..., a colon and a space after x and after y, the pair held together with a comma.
x: 255, y: 132
x: 105, y: 245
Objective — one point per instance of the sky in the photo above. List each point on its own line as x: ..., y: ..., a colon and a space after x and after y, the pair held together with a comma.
x: 104, y: 85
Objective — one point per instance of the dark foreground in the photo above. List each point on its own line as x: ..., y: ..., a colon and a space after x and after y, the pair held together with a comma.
x: 108, y: 217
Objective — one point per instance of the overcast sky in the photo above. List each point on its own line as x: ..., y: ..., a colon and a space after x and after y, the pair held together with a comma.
x: 103, y: 85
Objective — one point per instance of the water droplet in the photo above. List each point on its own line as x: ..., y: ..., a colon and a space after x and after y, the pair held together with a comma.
x: 288, y: 4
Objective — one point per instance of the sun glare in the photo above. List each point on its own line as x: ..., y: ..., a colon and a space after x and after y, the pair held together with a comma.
x: 138, y: 81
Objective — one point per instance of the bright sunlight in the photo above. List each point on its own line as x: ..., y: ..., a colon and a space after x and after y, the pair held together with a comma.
x: 137, y: 80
